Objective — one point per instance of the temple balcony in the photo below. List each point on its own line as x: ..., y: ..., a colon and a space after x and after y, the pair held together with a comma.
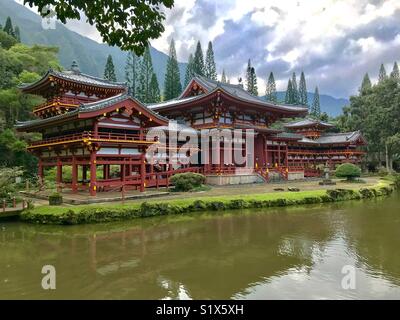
x: 58, y: 105
x: 90, y: 137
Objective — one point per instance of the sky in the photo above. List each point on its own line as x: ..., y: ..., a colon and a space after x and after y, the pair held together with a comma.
x: 335, y: 42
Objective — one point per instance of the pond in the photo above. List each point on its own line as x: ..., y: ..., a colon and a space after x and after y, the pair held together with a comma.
x: 337, y: 251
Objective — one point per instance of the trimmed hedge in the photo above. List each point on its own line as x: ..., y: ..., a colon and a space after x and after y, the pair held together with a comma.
x: 187, y: 181
x: 348, y: 170
x: 107, y: 214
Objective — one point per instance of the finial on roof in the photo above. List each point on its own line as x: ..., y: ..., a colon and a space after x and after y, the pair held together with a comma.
x: 75, y: 67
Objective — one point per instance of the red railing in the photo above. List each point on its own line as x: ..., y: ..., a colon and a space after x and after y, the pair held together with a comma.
x: 326, y: 152
x: 67, y: 101
x: 90, y: 134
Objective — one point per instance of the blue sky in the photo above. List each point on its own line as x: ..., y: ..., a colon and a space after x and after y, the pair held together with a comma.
x: 334, y: 41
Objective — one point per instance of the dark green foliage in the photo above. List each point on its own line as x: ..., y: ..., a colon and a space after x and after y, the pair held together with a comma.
x: 289, y: 98
x: 395, y: 74
x: 109, y: 70
x: 6, y: 41
x: 189, y: 74
x: 223, y: 76
x: 382, y: 73
x: 187, y: 181
x: 145, y: 74
x: 154, y: 89
x: 316, y: 107
x: 172, y: 83
x: 271, y: 89
x: 210, y: 68
x: 348, y: 171
x: 366, y: 83
x: 295, y: 92
x: 126, y: 24
x: 303, y: 100
x: 251, y: 80
x: 8, y: 27
x: 55, y: 199
x: 17, y: 34
x: 132, y: 72
x: 198, y: 61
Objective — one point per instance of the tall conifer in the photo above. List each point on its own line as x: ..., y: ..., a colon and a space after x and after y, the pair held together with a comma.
x: 145, y: 75
x: 172, y: 82
x: 271, y: 89
x: 210, y: 68
x: 132, y: 72
x: 189, y: 74
x: 382, y: 73
x: 395, y: 74
x: 109, y: 70
x: 198, y: 60
x: 316, y: 107
x: 303, y: 99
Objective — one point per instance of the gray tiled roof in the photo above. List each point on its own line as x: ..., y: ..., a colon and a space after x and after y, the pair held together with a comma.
x: 78, y: 77
x: 289, y: 135
x: 308, y: 122
x: 231, y: 89
x: 334, y: 138
x: 88, y: 107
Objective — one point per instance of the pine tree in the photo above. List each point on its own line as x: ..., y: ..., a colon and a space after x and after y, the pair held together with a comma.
x: 210, y: 68
x: 366, y: 83
x: 249, y: 87
x: 144, y: 79
x: 109, y: 71
x: 17, y: 34
x: 172, y: 82
x: 382, y: 73
x: 223, y: 76
x: 316, y: 107
x: 154, y: 95
x: 198, y: 61
x: 395, y: 74
x: 189, y: 74
x: 8, y: 27
x: 303, y: 99
x: 132, y: 72
x: 271, y: 89
x: 295, y: 92
x: 289, y: 93
x: 254, y: 86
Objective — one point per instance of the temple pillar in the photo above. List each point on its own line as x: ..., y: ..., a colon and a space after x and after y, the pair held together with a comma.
x: 93, y: 180
x: 74, y: 181
x: 59, y: 175
x: 142, y: 172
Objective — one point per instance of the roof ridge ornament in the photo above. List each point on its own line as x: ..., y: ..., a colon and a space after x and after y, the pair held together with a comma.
x: 75, y: 67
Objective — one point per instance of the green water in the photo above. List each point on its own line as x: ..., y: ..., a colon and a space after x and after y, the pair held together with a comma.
x: 288, y: 253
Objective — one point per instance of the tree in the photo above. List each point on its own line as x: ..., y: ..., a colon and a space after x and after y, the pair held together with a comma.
x: 6, y: 41
x: 8, y: 27
x: 145, y: 74
x: 348, y: 171
x: 251, y: 80
x: 17, y: 34
x: 270, y: 92
x: 289, y: 93
x: 154, y: 90
x: 395, y: 74
x: 366, y: 83
x: 126, y: 24
x: 198, y: 61
x: 382, y: 73
x: 189, y: 74
x: 109, y: 70
x: 131, y: 72
x: 316, y: 107
x: 294, y: 89
x: 303, y: 99
x: 210, y: 68
x: 172, y: 83
x: 223, y: 76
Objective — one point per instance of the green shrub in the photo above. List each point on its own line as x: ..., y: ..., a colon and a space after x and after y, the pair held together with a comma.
x: 187, y: 181
x: 55, y: 199
x: 383, y: 172
x: 348, y: 171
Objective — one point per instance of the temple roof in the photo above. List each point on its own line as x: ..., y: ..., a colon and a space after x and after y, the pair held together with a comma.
x: 308, y: 123
x: 85, y: 108
x: 335, y: 138
x: 234, y: 91
x: 76, y: 76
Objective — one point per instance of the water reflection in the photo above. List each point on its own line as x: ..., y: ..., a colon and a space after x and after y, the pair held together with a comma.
x: 285, y: 253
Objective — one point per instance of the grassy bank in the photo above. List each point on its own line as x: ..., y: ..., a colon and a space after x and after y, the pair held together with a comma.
x: 67, y: 215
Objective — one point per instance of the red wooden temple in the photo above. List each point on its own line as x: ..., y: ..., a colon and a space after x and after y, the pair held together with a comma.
x: 92, y: 124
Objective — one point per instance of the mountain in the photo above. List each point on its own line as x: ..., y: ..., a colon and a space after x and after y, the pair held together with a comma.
x: 90, y: 55
x: 331, y: 105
